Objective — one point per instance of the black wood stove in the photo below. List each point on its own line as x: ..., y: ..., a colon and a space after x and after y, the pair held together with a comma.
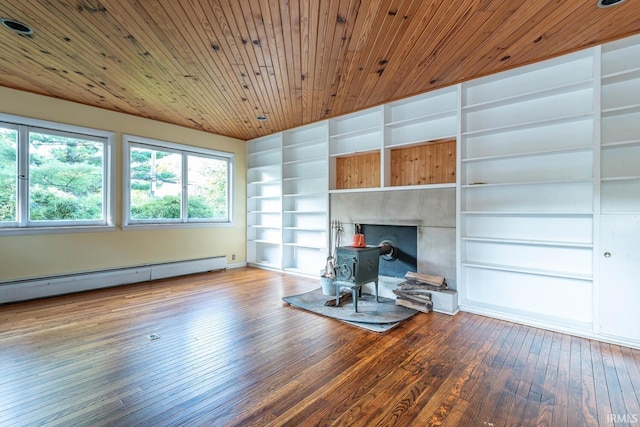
x: 354, y: 268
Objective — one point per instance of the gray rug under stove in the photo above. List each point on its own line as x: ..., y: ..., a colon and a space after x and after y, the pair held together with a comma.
x: 371, y: 315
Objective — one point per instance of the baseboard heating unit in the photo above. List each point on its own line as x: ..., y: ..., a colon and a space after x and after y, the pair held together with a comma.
x: 21, y: 290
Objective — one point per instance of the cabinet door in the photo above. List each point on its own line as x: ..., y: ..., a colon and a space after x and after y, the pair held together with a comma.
x: 620, y: 276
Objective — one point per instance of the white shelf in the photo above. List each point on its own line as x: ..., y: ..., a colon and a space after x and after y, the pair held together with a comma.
x: 525, y: 183
x: 618, y: 144
x: 356, y: 132
x: 419, y: 142
x: 625, y: 109
x: 264, y: 152
x: 308, y: 160
x: 530, y: 154
x: 265, y: 212
x: 267, y: 227
x: 617, y: 212
x: 533, y: 271
x: 299, y: 178
x: 531, y: 124
x: 266, y: 181
x: 307, y: 143
x: 305, y: 229
x: 264, y: 167
x: 395, y: 188
x: 528, y: 213
x: 265, y: 242
x: 305, y: 195
x: 306, y: 212
x: 529, y: 242
x: 621, y: 76
x: 355, y: 152
x: 416, y: 187
x: 275, y: 197
x: 421, y: 119
x: 621, y: 178
x: 528, y: 96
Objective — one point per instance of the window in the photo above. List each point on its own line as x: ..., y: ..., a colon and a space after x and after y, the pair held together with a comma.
x: 167, y: 183
x: 53, y: 175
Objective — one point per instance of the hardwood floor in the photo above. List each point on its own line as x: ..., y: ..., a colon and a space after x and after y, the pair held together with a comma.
x: 231, y: 353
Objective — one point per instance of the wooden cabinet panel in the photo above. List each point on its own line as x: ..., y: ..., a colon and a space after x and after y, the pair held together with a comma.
x: 358, y: 171
x: 433, y: 163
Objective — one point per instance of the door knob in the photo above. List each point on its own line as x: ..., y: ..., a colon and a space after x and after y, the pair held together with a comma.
x: 607, y: 254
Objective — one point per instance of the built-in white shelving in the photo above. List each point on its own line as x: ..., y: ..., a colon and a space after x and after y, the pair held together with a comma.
x: 526, y: 188
x: 547, y: 184
x: 409, y: 122
x: 305, y: 200
x: 264, y: 202
x: 620, y: 190
x: 287, y: 200
x: 620, y: 156
x: 359, y: 132
x: 420, y: 119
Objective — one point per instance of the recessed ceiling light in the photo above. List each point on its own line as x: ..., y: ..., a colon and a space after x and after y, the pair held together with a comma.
x: 261, y: 118
x: 17, y: 26
x: 608, y: 3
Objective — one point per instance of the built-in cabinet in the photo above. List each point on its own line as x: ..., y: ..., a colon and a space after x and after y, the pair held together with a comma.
x: 621, y: 127
x: 406, y: 143
x: 545, y: 160
x: 264, y: 202
x: 619, y: 222
x: 619, y: 289
x: 287, y: 200
x: 526, y: 191
x: 305, y: 199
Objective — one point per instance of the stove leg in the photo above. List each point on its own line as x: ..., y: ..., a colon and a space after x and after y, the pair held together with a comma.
x: 376, y: 282
x: 354, y: 292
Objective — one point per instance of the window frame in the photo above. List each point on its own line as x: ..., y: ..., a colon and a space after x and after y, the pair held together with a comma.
x: 23, y: 225
x: 129, y: 141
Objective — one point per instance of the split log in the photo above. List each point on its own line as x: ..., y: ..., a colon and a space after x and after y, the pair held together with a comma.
x: 414, y: 291
x: 412, y: 284
x: 425, y: 278
x: 415, y: 297
x: 423, y: 307
x: 344, y: 298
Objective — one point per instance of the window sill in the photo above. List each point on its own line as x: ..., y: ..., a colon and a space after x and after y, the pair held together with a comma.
x: 166, y: 225
x: 23, y: 231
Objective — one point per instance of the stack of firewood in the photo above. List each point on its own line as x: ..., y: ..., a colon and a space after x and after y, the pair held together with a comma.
x: 415, y: 291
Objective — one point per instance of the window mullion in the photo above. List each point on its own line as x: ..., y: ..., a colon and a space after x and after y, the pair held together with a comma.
x: 23, y: 176
x: 185, y: 187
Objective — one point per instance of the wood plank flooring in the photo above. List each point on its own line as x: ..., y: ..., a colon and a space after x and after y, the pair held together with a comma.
x: 231, y: 353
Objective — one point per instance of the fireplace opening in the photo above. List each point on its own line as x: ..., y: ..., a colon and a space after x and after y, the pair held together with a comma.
x: 402, y: 237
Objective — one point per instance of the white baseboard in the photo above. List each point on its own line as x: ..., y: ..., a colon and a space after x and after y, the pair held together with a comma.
x: 21, y: 290
x: 237, y: 265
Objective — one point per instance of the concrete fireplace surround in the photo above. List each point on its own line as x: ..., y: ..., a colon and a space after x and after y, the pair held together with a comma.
x: 433, y: 211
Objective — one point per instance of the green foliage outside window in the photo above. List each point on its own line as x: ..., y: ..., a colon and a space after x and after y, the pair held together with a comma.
x: 65, y: 178
x: 156, y: 189
x: 8, y: 174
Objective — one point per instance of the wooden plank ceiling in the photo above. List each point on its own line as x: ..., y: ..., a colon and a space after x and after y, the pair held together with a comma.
x: 215, y: 65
